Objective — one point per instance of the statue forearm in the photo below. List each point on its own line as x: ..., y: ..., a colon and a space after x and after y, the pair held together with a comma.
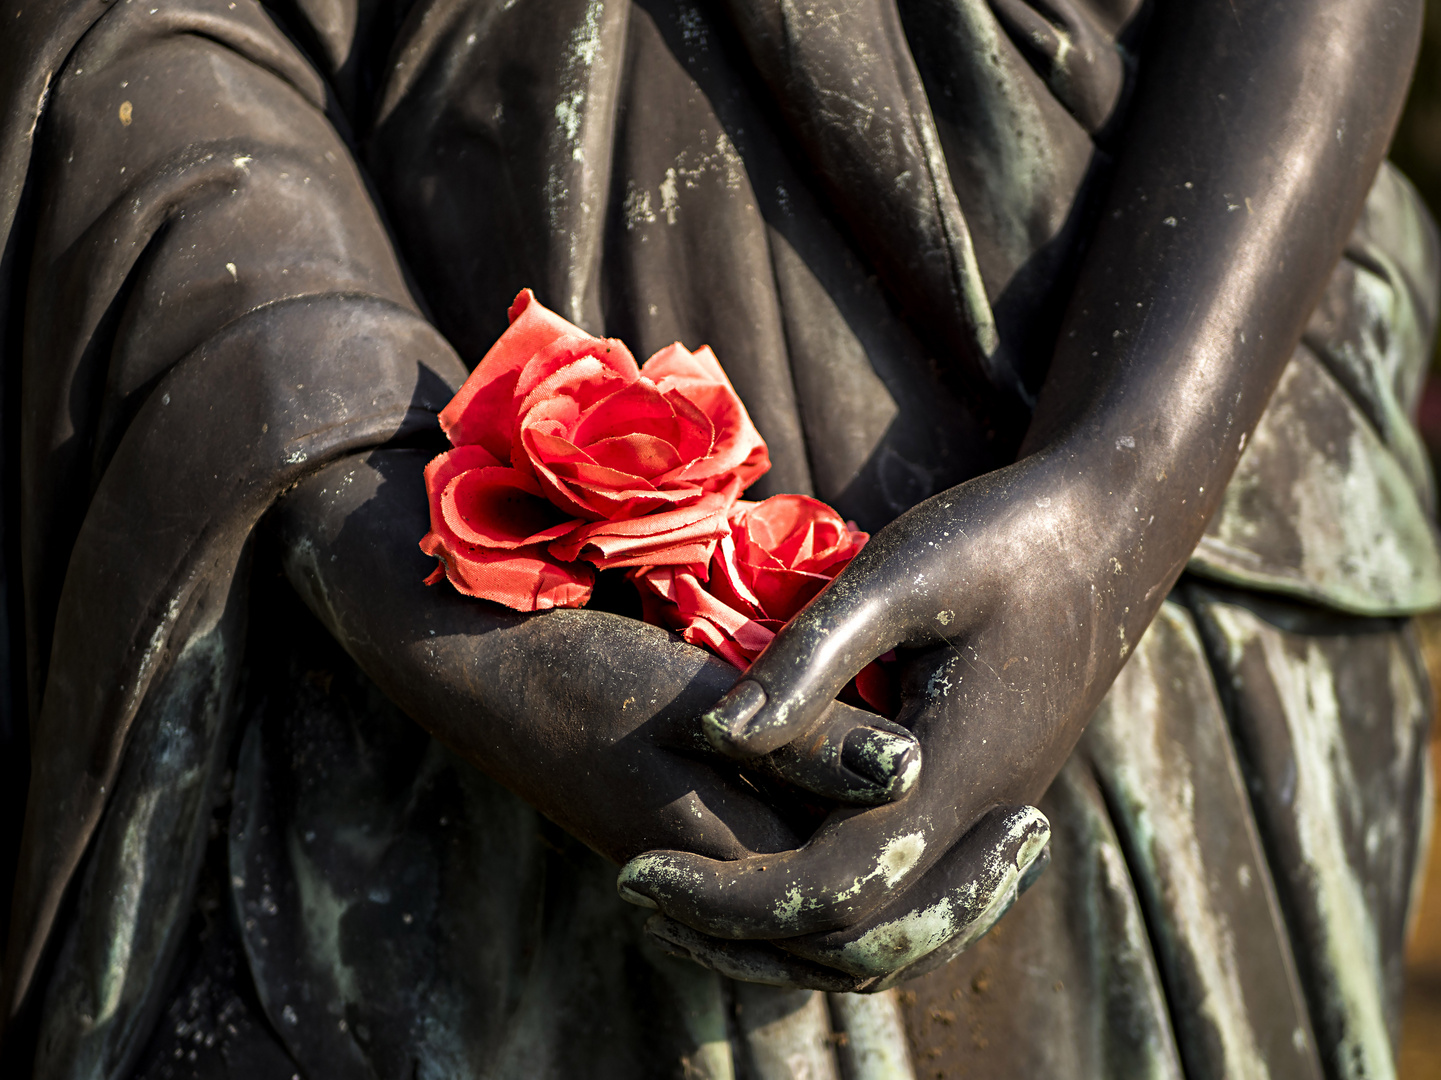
x: 564, y: 707
x: 1256, y: 132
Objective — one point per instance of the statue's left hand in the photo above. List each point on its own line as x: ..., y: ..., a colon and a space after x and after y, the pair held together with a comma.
x: 1026, y: 589
x: 999, y: 593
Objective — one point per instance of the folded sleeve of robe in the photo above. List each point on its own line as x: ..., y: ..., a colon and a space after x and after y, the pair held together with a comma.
x: 202, y: 307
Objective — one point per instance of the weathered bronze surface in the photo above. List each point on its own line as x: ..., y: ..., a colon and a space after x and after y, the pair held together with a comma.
x: 1107, y: 318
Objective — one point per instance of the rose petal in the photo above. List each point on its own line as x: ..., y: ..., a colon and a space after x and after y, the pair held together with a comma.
x: 696, y: 431
x: 729, y: 581
x: 782, y: 593
x: 797, y: 531
x: 483, y: 412
x: 637, y: 408
x: 444, y: 468
x: 570, y: 478
x: 678, y: 363
x: 737, y: 447
x: 776, y: 523
x: 525, y: 579
x: 501, y: 508
x: 583, y: 368
x: 755, y: 578
x: 590, y: 490
x: 540, y: 449
x: 753, y: 539
x: 565, y: 395
x: 637, y: 454
x: 546, y: 443
x: 703, y: 635
x: 612, y: 491
x: 670, y: 538
x: 687, y: 596
x: 549, y: 415
x: 675, y: 597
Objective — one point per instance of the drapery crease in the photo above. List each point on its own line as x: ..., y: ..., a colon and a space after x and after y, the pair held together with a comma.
x: 165, y: 336
x: 204, y: 291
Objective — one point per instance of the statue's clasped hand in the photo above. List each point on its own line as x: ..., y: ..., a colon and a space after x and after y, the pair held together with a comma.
x: 877, y: 895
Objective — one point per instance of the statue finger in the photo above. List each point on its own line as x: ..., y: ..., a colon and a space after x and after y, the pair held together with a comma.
x: 787, y: 690
x: 748, y: 961
x: 853, y: 757
x: 961, y: 942
x: 948, y: 909
x: 848, y: 869
x: 685, y: 805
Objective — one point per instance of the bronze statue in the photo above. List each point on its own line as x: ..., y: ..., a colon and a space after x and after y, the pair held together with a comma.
x: 1014, y: 285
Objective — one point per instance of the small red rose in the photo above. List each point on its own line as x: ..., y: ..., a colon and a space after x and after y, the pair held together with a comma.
x: 779, y: 555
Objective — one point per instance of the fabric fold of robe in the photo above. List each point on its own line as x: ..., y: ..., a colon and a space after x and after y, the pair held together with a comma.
x: 201, y: 300
x: 182, y: 367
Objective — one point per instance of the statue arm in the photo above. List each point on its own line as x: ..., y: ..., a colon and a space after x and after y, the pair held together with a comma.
x: 1256, y: 130
x: 588, y: 716
x: 217, y: 317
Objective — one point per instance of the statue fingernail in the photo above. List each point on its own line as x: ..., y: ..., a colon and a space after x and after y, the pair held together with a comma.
x: 639, y: 899
x: 890, y: 761
x: 725, y: 724
x: 1032, y: 871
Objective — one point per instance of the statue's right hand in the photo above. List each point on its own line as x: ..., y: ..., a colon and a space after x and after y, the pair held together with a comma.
x: 590, y: 717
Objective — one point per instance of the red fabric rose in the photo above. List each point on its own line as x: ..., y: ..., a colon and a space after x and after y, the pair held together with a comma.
x: 489, y: 527
x: 647, y: 460
x: 780, y: 553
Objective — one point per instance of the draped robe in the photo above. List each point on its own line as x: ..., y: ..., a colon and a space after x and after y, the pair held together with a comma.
x: 243, y: 241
